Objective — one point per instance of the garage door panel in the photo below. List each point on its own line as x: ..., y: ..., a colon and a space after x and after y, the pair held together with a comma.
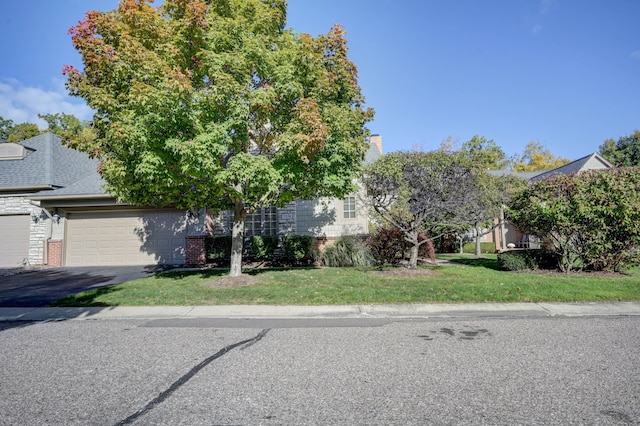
x: 125, y: 238
x: 14, y: 239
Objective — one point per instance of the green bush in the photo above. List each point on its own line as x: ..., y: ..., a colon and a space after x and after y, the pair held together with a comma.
x: 297, y: 247
x: 347, y: 251
x: 263, y: 247
x: 531, y: 259
x: 218, y: 247
x: 486, y: 248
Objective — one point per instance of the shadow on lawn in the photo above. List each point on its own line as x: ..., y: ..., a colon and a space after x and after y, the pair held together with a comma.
x: 478, y: 261
x: 85, y: 299
x: 222, y: 272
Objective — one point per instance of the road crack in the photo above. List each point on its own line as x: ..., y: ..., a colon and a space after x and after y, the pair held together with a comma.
x: 188, y: 376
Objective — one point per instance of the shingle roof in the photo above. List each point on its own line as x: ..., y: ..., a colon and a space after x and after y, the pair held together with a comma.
x: 595, y: 161
x: 521, y: 175
x: 50, y: 167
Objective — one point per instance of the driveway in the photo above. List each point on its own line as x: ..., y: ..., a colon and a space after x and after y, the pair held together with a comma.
x: 38, y: 287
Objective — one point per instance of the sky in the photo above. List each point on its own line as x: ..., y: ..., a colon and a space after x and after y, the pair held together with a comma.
x: 563, y: 73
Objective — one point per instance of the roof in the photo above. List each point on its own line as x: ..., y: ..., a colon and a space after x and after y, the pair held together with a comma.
x: 48, y: 167
x: 521, y: 175
x: 590, y: 162
x: 593, y: 161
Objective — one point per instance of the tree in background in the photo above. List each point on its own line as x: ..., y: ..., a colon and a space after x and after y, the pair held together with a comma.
x: 61, y: 124
x: 490, y: 195
x: 590, y: 220
x: 5, y: 128
x: 484, y: 154
x: 623, y: 152
x: 66, y: 126
x: 213, y: 103
x: 537, y: 158
x: 420, y: 193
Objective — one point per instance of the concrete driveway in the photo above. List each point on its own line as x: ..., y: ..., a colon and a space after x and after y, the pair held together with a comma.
x: 40, y: 286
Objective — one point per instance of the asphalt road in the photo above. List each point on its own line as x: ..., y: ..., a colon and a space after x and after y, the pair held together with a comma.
x: 40, y: 286
x: 470, y: 371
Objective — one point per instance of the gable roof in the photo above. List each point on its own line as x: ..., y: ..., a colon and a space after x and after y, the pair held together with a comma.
x: 593, y: 161
x: 46, y: 166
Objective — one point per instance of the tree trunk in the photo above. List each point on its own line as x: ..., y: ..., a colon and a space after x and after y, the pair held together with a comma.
x: 503, y: 230
x: 478, y: 245
x: 413, y: 256
x: 237, y: 239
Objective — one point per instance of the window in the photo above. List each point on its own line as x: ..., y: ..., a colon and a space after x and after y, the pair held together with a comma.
x: 261, y: 223
x: 350, y: 207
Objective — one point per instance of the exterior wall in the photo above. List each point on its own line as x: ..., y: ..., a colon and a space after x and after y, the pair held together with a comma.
x: 38, y: 228
x: 594, y: 164
x: 324, y: 218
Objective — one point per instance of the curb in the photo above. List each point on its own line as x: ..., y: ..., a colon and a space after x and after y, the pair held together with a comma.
x: 412, y: 311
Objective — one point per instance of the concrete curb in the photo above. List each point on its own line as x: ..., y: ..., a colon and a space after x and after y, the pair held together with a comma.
x: 343, y: 311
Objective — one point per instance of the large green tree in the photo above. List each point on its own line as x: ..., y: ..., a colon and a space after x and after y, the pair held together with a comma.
x: 484, y: 154
x: 623, y: 152
x: 420, y: 194
x: 214, y: 103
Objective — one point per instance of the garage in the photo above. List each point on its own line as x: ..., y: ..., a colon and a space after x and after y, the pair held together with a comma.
x: 131, y: 237
x: 14, y: 236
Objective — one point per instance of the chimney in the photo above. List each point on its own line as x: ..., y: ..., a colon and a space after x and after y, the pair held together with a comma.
x: 377, y: 140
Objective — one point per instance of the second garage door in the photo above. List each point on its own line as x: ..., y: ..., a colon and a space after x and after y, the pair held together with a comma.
x: 140, y: 237
x: 14, y: 240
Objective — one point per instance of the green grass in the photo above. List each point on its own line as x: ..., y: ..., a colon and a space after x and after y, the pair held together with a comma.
x: 474, y: 280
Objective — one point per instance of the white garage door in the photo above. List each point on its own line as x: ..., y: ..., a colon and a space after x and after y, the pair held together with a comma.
x: 141, y: 237
x: 14, y: 239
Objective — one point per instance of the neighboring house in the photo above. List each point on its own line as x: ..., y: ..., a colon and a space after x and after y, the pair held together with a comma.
x: 54, y: 211
x: 507, y: 234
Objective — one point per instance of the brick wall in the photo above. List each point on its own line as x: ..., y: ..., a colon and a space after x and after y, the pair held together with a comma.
x: 54, y: 251
x: 195, y: 252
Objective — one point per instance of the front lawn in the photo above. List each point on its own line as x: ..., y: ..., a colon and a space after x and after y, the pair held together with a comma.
x: 475, y: 280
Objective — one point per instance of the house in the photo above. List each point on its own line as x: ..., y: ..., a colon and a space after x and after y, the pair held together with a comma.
x: 326, y: 219
x: 54, y: 211
x: 507, y: 234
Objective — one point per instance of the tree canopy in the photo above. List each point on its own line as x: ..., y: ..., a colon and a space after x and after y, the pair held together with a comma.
x: 590, y: 219
x: 420, y: 193
x: 484, y: 153
x: 625, y: 152
x: 61, y: 124
x: 216, y: 104
x: 537, y: 158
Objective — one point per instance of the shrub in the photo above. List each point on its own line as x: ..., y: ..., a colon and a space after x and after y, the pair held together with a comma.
x: 218, y: 247
x: 521, y: 260
x: 263, y: 247
x: 297, y: 247
x: 487, y: 248
x: 388, y: 246
x: 347, y: 251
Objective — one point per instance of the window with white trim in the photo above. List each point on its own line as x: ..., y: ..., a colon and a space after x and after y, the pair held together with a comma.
x: 350, y: 207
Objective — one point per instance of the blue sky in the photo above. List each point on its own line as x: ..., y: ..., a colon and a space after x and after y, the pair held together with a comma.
x: 564, y: 73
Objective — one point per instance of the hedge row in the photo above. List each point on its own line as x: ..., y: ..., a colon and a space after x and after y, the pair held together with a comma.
x: 294, y: 247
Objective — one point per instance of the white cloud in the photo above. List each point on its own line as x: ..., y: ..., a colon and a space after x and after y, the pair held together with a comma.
x: 536, y: 29
x: 22, y: 104
x: 635, y: 54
